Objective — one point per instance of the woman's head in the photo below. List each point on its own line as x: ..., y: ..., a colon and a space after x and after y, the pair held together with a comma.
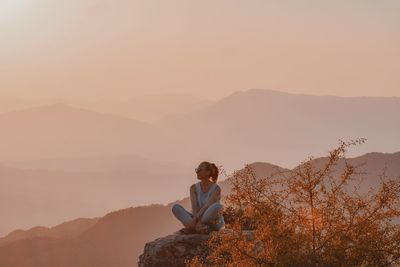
x: 207, y: 170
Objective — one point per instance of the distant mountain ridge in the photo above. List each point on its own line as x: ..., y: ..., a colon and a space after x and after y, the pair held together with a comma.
x: 280, y: 127
x: 62, y: 130
x: 146, y: 108
x: 69, y: 229
x: 40, y: 191
x: 257, y: 124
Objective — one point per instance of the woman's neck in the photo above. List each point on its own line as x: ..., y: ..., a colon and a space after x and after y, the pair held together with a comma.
x: 206, y: 181
x: 205, y: 184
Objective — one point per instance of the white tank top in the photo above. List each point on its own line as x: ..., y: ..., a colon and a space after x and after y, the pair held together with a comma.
x: 202, y: 197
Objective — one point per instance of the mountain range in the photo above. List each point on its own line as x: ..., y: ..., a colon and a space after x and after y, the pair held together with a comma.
x: 258, y: 124
x: 64, y: 161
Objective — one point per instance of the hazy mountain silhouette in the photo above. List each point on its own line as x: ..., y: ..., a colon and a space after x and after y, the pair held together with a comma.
x: 118, y: 163
x: 40, y: 192
x: 257, y: 124
x: 146, y: 108
x: 69, y: 229
x: 274, y: 126
x: 118, y: 238
x: 62, y: 130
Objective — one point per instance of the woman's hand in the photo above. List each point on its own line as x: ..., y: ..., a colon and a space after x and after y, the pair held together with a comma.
x: 195, y: 220
x: 193, y: 223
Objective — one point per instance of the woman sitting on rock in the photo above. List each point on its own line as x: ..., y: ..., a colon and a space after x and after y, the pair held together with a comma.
x: 205, y: 199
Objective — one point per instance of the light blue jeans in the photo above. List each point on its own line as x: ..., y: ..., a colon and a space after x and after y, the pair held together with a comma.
x: 208, y: 217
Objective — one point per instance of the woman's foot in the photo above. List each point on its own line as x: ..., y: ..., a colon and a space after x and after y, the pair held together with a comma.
x: 202, y: 228
x: 187, y: 230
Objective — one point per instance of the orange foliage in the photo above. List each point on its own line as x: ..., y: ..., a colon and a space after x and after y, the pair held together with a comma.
x: 309, y: 217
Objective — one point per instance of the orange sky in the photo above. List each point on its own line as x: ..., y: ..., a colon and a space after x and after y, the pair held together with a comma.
x: 91, y: 49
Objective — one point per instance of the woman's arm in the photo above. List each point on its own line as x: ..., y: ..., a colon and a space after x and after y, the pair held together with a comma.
x: 216, y: 195
x: 193, y: 199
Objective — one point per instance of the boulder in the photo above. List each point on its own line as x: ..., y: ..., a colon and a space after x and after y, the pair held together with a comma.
x: 176, y: 249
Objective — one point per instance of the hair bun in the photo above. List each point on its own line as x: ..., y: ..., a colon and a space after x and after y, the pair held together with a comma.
x: 214, y: 172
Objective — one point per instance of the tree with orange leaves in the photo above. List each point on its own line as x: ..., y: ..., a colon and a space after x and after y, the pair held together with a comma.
x: 308, y: 216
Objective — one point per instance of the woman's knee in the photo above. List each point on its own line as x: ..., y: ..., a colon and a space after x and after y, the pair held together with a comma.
x: 218, y: 226
x: 175, y: 208
x: 216, y: 206
x: 212, y: 212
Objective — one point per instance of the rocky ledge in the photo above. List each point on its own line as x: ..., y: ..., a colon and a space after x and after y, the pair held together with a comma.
x: 175, y: 249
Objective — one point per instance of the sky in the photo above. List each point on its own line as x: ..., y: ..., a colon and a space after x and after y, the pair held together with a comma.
x: 94, y: 49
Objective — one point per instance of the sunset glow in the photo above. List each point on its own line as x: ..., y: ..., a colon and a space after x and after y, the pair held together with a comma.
x: 131, y: 130
x: 11, y: 9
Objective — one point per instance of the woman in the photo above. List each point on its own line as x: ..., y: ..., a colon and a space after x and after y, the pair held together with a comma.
x: 205, y: 199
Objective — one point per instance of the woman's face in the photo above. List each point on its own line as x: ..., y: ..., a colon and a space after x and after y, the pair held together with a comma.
x: 202, y: 172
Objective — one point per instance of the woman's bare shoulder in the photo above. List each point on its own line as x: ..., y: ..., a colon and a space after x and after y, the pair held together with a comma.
x: 193, y: 187
x: 217, y: 187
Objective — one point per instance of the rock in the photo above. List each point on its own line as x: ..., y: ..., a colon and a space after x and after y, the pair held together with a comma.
x: 175, y: 249
x: 172, y: 250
